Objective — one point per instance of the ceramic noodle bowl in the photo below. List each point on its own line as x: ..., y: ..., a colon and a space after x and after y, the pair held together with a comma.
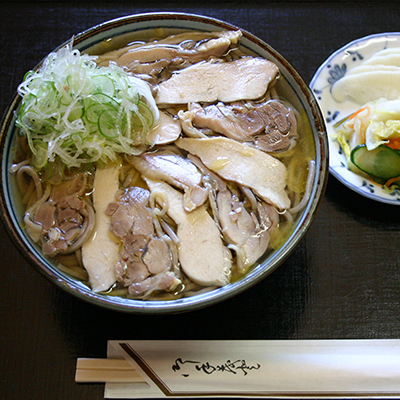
x: 284, y: 200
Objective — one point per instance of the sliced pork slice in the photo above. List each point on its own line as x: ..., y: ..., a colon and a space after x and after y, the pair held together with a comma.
x: 245, y: 79
x: 100, y: 253
x: 142, y: 254
x: 61, y: 221
x: 244, y: 165
x: 157, y: 257
x: 202, y: 254
x: 136, y: 273
x: 130, y: 214
x: 45, y: 215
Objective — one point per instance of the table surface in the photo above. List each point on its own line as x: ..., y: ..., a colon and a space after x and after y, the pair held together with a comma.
x: 342, y: 281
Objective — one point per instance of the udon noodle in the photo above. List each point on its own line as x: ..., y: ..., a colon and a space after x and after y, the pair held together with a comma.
x: 177, y: 187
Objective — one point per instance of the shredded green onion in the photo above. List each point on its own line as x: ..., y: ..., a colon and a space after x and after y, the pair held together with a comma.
x: 83, y: 113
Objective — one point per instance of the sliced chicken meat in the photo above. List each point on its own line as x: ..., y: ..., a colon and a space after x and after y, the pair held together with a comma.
x: 235, y: 121
x: 271, y: 124
x: 257, y: 243
x: 244, y: 165
x: 184, y: 49
x: 281, y: 128
x: 100, y: 253
x: 166, y: 131
x: 246, y: 227
x: 245, y: 79
x: 242, y: 229
x: 163, y: 281
x: 236, y: 222
x: 174, y: 169
x: 202, y: 254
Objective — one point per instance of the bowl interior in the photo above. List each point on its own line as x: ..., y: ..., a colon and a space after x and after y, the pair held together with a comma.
x: 114, y: 34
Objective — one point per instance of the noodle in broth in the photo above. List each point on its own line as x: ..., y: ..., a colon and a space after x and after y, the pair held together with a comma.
x: 171, y: 190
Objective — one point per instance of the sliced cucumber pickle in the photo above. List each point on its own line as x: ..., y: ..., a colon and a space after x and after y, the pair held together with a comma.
x: 104, y: 84
x: 93, y: 112
x: 381, y: 162
x: 107, y: 123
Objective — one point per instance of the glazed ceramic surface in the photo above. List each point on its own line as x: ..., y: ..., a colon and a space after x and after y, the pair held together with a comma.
x: 117, y: 33
x: 332, y: 70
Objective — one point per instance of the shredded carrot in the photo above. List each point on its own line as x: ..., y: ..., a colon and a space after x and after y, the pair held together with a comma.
x: 394, y: 144
x: 360, y: 111
x: 362, y: 129
x: 391, y: 181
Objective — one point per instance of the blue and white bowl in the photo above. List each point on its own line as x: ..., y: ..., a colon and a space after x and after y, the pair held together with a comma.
x: 332, y: 70
x: 118, y: 31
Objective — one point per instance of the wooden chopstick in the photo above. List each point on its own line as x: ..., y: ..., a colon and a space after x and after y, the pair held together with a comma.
x: 105, y: 370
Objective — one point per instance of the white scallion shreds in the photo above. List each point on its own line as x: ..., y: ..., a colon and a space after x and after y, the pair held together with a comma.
x: 84, y: 113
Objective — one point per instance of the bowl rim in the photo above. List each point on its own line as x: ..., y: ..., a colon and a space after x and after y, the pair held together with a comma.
x: 220, y: 294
